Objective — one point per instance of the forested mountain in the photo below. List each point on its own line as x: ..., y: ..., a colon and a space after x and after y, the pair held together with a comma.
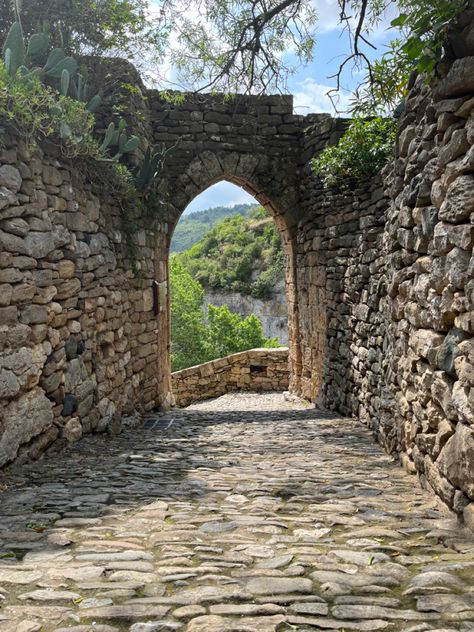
x: 239, y: 254
x: 192, y: 228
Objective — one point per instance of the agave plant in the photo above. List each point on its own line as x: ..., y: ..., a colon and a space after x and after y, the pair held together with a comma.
x: 118, y: 138
x: 79, y: 91
x: 145, y: 175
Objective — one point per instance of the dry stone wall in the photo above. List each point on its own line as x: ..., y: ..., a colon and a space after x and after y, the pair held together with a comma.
x: 78, y: 336
x: 385, y: 279
x: 256, y: 370
x: 428, y: 248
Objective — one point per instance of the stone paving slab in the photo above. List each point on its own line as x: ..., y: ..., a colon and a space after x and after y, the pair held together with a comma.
x: 239, y: 514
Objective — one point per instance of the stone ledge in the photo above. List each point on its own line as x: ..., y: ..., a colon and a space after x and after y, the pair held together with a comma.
x: 252, y: 370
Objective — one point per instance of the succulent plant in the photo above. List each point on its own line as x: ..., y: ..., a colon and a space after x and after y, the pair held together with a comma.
x: 79, y: 91
x: 145, y: 175
x: 117, y: 137
x: 22, y: 59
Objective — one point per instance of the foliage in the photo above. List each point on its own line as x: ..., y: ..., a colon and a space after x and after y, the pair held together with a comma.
x: 386, y: 86
x: 230, y: 333
x: 188, y: 342
x: 236, y: 45
x: 192, y: 340
x: 238, y: 254
x: 423, y: 27
x: 23, y: 57
x: 117, y: 137
x: 362, y: 152
x: 192, y: 228
x: 145, y: 175
x: 34, y: 111
x: 87, y: 26
x: 35, y: 107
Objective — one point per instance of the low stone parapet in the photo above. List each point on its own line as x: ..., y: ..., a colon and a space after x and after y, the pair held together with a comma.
x: 254, y: 370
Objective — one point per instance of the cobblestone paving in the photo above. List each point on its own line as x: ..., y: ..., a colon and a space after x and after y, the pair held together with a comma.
x: 215, y: 519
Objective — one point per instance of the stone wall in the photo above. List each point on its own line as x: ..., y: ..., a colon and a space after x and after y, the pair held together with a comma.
x: 429, y: 279
x: 255, y: 370
x: 78, y: 335
x: 386, y: 290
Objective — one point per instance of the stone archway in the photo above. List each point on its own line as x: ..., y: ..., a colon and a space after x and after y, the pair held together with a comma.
x: 257, y: 143
x: 205, y: 171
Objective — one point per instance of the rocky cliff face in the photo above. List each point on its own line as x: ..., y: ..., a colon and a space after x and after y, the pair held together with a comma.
x: 273, y: 312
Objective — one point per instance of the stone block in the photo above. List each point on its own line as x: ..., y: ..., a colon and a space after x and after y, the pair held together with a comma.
x: 34, y: 314
x: 24, y: 418
x: 456, y: 460
x: 459, y: 200
x: 459, y: 80
x: 8, y: 316
x: 72, y: 431
x: 10, y: 178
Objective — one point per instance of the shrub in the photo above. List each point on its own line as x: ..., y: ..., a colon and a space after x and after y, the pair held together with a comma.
x: 193, y: 341
x: 362, y: 152
x: 36, y: 111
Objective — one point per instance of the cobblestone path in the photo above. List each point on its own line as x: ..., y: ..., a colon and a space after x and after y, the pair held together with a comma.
x: 219, y: 520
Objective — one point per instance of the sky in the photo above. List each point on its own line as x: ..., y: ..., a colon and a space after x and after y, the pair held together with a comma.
x: 309, y: 86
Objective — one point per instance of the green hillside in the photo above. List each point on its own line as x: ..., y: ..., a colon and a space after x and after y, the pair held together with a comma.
x: 192, y: 228
x: 240, y: 254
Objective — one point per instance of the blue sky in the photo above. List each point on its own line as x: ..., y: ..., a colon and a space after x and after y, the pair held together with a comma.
x: 309, y: 86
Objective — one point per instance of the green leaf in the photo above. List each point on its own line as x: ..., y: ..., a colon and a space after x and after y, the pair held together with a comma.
x: 94, y: 103
x: 132, y: 144
x: 37, y: 46
x: 15, y: 44
x: 65, y: 80
x: 109, y: 134
x: 400, y: 21
x: 54, y: 58
x: 121, y: 142
x: 67, y: 63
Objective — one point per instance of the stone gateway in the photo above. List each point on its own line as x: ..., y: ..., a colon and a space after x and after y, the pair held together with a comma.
x: 379, y: 279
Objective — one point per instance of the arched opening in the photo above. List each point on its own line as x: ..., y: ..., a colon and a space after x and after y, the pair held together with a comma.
x: 227, y: 278
x: 278, y: 218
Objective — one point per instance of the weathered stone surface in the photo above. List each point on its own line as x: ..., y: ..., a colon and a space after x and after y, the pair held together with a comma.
x: 101, y: 551
x: 459, y: 80
x: 10, y: 178
x: 72, y: 430
x: 278, y: 585
x: 458, y: 203
x: 23, y: 419
x: 270, y: 373
x: 214, y: 623
x: 456, y: 460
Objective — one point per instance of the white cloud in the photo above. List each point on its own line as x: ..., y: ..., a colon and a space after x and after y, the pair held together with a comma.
x: 328, y: 14
x: 221, y: 194
x: 312, y: 97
